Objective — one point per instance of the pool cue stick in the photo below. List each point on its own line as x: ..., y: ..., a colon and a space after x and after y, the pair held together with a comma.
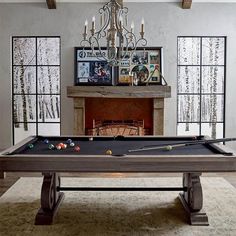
x: 169, y: 147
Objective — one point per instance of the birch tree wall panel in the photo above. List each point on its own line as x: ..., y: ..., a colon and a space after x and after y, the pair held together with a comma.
x: 49, y: 79
x: 189, y: 108
x: 20, y: 133
x: 214, y: 130
x: 24, y: 108
x: 48, y: 51
x: 24, y: 79
x: 24, y: 51
x: 201, y: 85
x: 36, y: 86
x: 48, y: 108
x: 212, y: 108
x: 52, y: 129
x: 188, y: 51
x: 188, y: 79
x: 212, y: 79
x: 213, y: 51
x: 193, y: 129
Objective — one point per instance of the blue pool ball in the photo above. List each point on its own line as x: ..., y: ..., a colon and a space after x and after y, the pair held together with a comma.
x: 69, y: 141
x: 72, y: 144
x: 51, y: 146
x: 31, y: 146
x: 46, y: 141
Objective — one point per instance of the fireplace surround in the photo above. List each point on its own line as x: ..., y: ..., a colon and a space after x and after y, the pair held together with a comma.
x: 119, y: 103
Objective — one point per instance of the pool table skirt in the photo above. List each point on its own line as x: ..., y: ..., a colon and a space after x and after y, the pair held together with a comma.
x: 46, y: 160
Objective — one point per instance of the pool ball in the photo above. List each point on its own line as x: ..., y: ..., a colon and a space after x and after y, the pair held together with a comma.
x: 60, y: 144
x: 30, y: 146
x: 77, y: 148
x: 108, y: 152
x: 168, y: 148
x: 64, y: 146
x: 46, y: 141
x: 90, y: 138
x: 58, y: 147
x: 69, y: 141
x: 72, y: 144
x: 51, y: 146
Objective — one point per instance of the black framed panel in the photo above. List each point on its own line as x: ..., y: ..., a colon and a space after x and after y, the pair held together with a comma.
x: 36, y: 92
x: 201, y: 69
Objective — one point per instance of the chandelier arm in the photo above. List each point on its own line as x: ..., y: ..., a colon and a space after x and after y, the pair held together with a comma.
x: 94, y: 41
x: 104, y: 10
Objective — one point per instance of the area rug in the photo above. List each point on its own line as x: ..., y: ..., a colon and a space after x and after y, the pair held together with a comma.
x: 118, y: 213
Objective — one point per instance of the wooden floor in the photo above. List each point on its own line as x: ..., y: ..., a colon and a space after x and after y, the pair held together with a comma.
x: 11, y: 178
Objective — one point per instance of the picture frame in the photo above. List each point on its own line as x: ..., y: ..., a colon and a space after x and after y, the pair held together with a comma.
x: 92, y: 69
x: 142, y: 67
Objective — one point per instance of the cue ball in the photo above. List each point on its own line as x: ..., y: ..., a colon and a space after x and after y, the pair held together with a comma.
x: 108, y: 152
x: 31, y: 146
x: 77, y: 148
x: 90, y: 138
x: 169, y: 147
x: 46, y: 141
x: 51, y: 146
x: 58, y: 147
x: 72, y: 144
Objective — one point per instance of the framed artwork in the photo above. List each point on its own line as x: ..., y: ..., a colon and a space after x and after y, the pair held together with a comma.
x: 92, y: 69
x: 142, y: 67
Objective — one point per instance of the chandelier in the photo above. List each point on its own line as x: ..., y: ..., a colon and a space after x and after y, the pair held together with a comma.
x: 120, y: 41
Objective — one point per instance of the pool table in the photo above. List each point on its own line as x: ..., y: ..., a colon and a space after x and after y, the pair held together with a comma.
x: 189, y: 160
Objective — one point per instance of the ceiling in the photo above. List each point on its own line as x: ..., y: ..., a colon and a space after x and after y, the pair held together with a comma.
x: 64, y: 1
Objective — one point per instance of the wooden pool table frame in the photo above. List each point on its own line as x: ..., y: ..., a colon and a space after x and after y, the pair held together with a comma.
x: 192, y: 166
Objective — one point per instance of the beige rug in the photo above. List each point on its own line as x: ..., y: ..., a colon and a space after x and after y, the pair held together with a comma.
x: 118, y: 213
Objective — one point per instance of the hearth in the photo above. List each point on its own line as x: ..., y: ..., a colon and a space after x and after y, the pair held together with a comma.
x: 119, y: 103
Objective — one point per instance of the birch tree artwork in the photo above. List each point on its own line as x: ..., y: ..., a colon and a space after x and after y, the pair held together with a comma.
x: 201, y: 78
x: 189, y: 84
x: 36, y: 86
x: 213, y: 83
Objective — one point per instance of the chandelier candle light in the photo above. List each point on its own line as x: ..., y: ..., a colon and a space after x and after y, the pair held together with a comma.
x: 120, y: 41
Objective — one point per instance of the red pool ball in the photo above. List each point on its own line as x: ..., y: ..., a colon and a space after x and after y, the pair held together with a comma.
x: 64, y: 146
x: 61, y: 144
x: 77, y: 148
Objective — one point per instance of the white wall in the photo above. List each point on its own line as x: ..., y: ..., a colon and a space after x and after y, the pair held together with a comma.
x: 164, y: 22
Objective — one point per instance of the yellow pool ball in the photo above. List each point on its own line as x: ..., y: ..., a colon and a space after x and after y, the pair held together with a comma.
x: 109, y: 152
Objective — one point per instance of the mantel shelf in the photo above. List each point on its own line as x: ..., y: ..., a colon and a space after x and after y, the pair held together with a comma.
x: 150, y: 91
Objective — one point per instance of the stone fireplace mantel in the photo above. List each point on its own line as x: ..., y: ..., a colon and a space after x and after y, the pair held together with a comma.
x: 156, y: 93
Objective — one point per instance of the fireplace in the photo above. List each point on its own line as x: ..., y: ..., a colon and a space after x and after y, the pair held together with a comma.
x: 143, y: 106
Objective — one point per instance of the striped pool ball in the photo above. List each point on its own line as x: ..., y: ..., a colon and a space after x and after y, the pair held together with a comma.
x: 69, y: 141
x: 30, y: 146
x: 51, y: 146
x: 58, y: 147
x: 77, y: 148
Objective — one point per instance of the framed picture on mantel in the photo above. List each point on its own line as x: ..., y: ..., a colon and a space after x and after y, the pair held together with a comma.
x: 141, y: 67
x: 92, y: 69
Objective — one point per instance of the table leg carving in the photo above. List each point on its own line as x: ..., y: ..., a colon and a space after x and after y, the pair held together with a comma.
x: 192, y: 199
x: 50, y: 199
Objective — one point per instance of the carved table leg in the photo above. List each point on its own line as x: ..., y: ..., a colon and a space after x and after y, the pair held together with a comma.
x: 50, y: 199
x: 2, y: 175
x: 192, y: 199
